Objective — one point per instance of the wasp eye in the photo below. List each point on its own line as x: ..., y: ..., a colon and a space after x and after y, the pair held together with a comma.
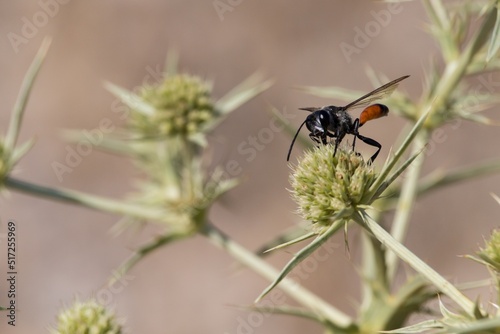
x: 324, y: 117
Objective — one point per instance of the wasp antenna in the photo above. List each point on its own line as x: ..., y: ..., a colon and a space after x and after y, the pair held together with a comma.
x: 293, y: 141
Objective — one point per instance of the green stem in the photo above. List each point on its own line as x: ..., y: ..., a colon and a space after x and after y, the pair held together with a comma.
x: 439, y: 13
x: 405, y: 204
x: 145, y: 250
x: 22, y: 99
x: 439, y: 180
x: 90, y: 201
x: 456, y: 69
x: 373, y: 265
x: 416, y: 263
x: 386, y: 170
x: 294, y: 290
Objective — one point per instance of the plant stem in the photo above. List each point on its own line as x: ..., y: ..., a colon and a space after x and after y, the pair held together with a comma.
x: 405, y: 204
x: 373, y: 265
x: 438, y: 180
x: 140, y: 253
x: 90, y: 201
x: 293, y: 289
x: 416, y: 263
x: 22, y: 99
x: 374, y: 188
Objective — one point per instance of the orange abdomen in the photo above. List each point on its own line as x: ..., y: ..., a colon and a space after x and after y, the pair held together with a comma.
x: 372, y: 112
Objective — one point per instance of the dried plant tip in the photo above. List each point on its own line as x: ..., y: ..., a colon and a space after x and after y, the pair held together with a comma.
x: 182, y: 106
x: 88, y: 317
x: 324, y: 185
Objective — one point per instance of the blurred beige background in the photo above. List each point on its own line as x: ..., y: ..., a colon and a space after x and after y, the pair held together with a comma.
x: 67, y: 251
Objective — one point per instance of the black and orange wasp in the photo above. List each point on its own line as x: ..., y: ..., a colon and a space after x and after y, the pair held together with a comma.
x: 335, y: 122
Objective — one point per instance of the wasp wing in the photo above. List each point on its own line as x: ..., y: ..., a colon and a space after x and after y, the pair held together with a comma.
x: 310, y: 109
x: 377, y: 94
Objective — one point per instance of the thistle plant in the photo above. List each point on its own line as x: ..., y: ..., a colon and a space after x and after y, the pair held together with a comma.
x: 166, y: 137
x: 87, y: 318
x: 445, y: 99
x: 490, y: 254
x: 182, y: 105
x: 324, y: 185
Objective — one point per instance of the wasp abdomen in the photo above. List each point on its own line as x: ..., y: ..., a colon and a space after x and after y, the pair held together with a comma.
x: 373, y: 112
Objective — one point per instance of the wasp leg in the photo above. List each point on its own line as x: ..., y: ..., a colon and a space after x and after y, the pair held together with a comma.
x: 315, y: 138
x: 355, y: 132
x: 337, y: 142
x: 331, y: 135
x: 323, y: 140
x: 370, y: 142
x: 338, y: 139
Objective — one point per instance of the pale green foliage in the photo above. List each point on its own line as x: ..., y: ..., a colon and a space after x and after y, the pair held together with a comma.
x: 468, y: 37
x: 166, y: 138
x: 9, y: 153
x: 324, y: 185
x: 182, y: 105
x: 87, y: 318
x: 490, y: 254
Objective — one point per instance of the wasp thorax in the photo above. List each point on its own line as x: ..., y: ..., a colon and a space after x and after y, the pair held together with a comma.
x: 182, y: 106
x: 323, y: 184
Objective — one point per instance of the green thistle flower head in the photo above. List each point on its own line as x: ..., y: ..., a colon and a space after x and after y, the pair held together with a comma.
x: 89, y: 317
x: 182, y: 106
x: 324, y: 185
x: 491, y: 252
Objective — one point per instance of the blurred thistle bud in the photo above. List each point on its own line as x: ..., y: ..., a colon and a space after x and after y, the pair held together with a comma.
x: 490, y: 254
x: 88, y: 317
x: 324, y: 185
x: 182, y: 106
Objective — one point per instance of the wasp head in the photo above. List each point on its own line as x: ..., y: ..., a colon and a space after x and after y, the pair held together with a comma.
x: 317, y: 122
